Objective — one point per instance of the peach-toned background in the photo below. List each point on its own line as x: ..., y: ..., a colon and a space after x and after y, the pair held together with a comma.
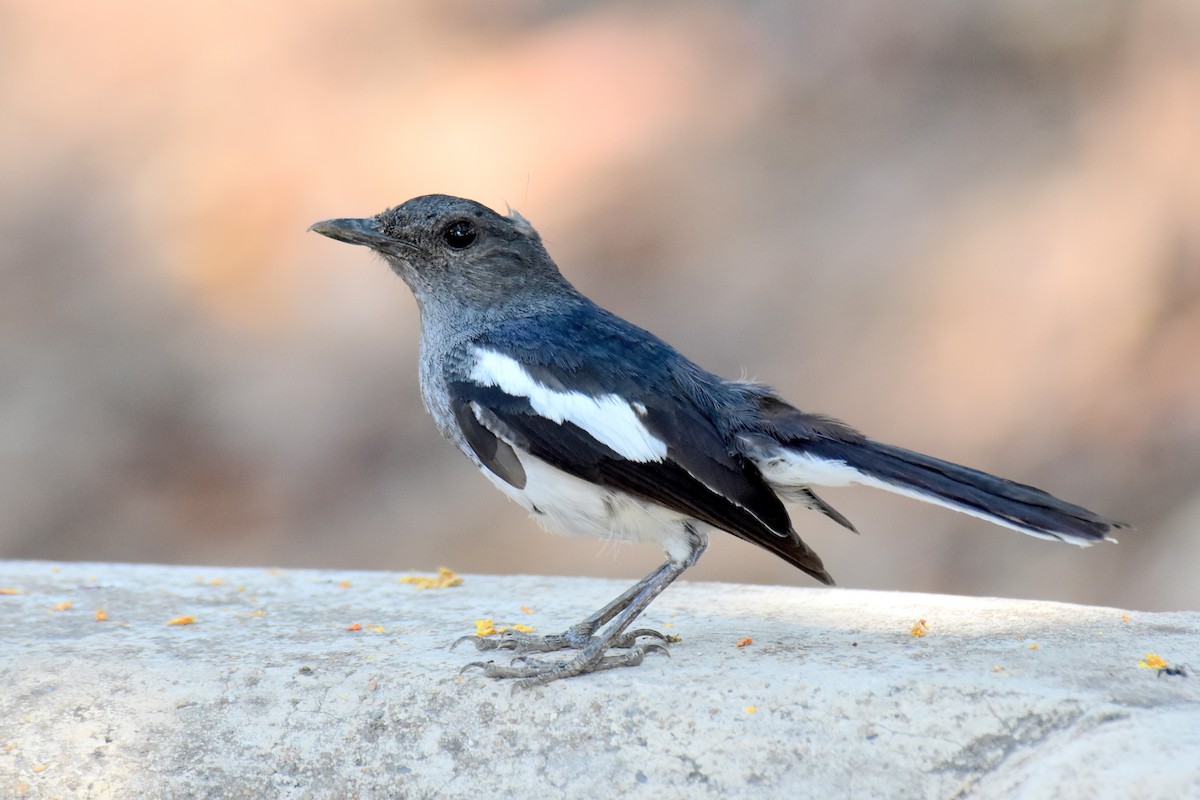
x: 969, y: 229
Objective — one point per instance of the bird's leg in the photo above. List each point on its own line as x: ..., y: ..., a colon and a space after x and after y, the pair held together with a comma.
x: 577, y: 636
x: 620, y: 613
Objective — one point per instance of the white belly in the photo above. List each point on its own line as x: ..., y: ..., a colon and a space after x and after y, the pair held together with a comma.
x: 569, y: 506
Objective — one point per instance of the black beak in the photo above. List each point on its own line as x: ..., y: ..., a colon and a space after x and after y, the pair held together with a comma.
x: 356, y: 231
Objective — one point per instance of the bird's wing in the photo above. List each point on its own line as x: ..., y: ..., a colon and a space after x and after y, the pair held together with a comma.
x: 598, y: 424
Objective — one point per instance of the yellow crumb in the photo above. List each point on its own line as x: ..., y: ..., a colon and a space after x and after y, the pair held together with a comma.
x: 1153, y: 661
x: 1124, y: 618
x: 65, y: 605
x: 215, y: 582
x: 183, y: 620
x: 751, y: 709
x: 39, y: 767
x: 527, y: 609
x: 9, y: 590
x: 1034, y: 646
x: 379, y: 629
x: 344, y: 584
x: 485, y: 627
x: 920, y: 628
x: 445, y: 578
x: 101, y: 615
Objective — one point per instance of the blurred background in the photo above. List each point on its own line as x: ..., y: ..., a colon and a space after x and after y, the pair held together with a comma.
x: 971, y: 229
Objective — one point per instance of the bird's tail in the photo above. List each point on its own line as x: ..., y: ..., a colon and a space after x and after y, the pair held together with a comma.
x: 843, y: 461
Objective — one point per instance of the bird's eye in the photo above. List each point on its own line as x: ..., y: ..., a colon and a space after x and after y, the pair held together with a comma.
x: 460, y: 234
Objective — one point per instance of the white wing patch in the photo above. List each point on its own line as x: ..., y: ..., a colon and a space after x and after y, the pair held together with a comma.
x: 608, y: 418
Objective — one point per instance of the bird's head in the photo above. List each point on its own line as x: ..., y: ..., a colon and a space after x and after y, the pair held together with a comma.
x: 456, y: 251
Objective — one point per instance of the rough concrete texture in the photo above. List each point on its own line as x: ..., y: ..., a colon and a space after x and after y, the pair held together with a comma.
x: 268, y: 694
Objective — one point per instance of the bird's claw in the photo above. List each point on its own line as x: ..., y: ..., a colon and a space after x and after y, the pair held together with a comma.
x: 572, y: 639
x: 653, y: 647
x: 483, y: 665
x: 630, y: 639
x: 529, y: 671
x: 483, y: 643
x: 597, y: 653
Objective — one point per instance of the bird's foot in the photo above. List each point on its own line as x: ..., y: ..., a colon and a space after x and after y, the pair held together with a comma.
x: 531, y: 672
x: 576, y: 637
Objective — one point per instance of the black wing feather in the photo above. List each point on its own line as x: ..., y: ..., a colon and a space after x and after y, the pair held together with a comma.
x: 495, y: 453
x: 699, y: 477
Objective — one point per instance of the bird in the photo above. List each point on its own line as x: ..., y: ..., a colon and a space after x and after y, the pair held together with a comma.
x: 597, y: 427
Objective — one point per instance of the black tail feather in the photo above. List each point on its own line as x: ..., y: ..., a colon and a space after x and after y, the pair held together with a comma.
x: 1006, y: 502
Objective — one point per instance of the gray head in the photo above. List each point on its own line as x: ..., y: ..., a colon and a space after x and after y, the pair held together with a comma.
x: 457, y: 255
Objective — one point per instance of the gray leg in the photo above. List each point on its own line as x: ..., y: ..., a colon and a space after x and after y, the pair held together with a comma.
x: 621, y: 612
x: 577, y: 636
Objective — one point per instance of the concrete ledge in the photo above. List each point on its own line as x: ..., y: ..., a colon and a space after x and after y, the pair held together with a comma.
x: 267, y: 694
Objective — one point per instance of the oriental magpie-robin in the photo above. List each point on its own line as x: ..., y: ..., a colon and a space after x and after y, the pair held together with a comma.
x: 599, y: 428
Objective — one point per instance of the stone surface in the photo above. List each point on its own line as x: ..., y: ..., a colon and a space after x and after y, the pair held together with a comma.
x: 268, y: 694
